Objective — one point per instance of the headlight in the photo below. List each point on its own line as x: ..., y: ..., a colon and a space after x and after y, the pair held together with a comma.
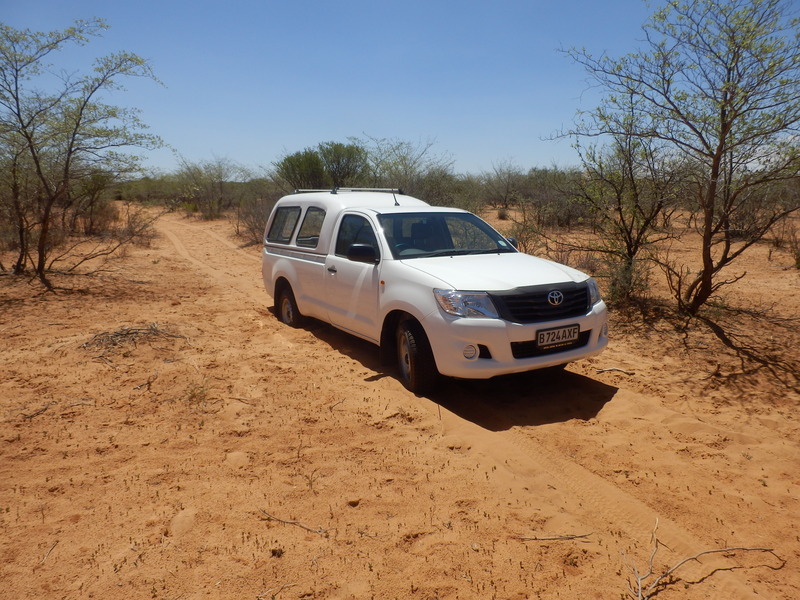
x: 594, y: 292
x: 466, y: 304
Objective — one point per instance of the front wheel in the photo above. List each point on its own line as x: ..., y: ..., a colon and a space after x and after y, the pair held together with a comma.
x: 415, y: 359
x: 287, y: 309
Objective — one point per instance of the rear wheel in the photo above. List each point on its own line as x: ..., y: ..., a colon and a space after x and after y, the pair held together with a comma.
x: 287, y: 308
x: 414, y: 358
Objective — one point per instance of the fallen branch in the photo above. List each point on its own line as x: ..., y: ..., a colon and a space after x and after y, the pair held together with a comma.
x: 556, y: 538
x: 83, y: 402
x: 318, y: 531
x: 36, y: 413
x: 335, y: 404
x: 615, y: 369
x: 107, y: 362
x: 273, y: 592
x: 108, y: 341
x: 639, y: 590
x: 44, y: 558
x: 147, y: 383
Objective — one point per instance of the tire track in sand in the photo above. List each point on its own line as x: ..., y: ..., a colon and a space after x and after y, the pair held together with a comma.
x: 227, y: 265
x: 600, y: 505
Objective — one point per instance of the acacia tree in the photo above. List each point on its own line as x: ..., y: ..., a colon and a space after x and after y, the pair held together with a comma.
x: 718, y: 86
x: 345, y: 164
x: 629, y: 203
x: 550, y: 194
x: 503, y: 184
x: 56, y: 135
x: 302, y: 170
x: 412, y: 167
x: 211, y: 186
x: 631, y: 188
x: 14, y: 186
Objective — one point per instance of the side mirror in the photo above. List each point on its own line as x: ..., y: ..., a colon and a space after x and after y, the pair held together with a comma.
x: 513, y: 241
x: 363, y: 253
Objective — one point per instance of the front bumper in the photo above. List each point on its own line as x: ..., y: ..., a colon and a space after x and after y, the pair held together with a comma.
x: 493, y: 338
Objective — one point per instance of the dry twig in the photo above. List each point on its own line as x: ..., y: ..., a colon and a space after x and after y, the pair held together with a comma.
x: 273, y: 592
x: 36, y: 413
x: 638, y: 589
x: 147, y: 383
x: 615, y: 369
x: 318, y: 531
x: 83, y: 402
x: 110, y: 340
x: 555, y: 538
x: 335, y: 404
x: 44, y: 558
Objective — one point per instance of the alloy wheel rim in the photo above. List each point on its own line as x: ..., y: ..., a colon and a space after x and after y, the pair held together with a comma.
x: 286, y: 310
x: 405, y: 356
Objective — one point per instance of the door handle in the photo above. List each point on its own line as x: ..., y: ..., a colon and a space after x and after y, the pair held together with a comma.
x: 332, y: 269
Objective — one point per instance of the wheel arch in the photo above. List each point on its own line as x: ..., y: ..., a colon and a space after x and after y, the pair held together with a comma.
x: 388, y: 346
x: 281, y: 283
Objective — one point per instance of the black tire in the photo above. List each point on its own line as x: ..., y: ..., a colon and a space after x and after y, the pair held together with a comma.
x: 286, y: 308
x: 415, y: 359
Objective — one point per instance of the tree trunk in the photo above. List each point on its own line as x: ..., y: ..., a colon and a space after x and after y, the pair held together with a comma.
x: 41, y: 248
x: 700, y: 290
x: 22, y: 233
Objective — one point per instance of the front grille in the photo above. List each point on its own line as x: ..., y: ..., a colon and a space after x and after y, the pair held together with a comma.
x: 531, y: 348
x: 530, y: 305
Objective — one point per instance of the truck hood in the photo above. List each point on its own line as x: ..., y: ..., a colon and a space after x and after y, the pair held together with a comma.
x: 494, y: 272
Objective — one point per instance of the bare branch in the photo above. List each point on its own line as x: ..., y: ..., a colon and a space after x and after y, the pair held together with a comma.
x: 318, y: 531
x: 556, y: 538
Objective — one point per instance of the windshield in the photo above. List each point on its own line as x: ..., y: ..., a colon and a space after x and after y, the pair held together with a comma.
x: 421, y: 235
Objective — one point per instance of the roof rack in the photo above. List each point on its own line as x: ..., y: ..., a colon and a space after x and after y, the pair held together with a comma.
x: 336, y: 190
x: 357, y: 189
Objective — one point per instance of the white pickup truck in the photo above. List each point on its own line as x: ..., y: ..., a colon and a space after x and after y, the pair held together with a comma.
x: 437, y: 289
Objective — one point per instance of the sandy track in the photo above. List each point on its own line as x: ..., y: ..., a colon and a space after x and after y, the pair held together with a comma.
x: 599, y: 504
x: 380, y: 493
x: 215, y: 255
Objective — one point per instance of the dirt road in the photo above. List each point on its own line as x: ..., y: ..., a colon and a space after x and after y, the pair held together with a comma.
x: 164, y: 436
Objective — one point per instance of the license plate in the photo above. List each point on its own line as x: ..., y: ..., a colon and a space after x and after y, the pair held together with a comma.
x: 547, y: 338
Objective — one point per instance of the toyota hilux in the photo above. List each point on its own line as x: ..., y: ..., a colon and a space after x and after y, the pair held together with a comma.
x: 438, y: 290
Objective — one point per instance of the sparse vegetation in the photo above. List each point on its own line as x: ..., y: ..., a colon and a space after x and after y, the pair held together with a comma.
x: 716, y: 93
x: 60, y: 150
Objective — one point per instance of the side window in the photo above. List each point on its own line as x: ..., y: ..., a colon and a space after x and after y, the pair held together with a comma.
x: 354, y: 229
x: 280, y: 232
x: 308, y: 236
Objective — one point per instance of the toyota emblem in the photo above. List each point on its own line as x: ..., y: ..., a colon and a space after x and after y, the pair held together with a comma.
x: 555, y: 298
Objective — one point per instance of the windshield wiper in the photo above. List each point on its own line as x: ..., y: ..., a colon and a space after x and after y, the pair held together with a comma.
x: 448, y: 252
x: 463, y: 252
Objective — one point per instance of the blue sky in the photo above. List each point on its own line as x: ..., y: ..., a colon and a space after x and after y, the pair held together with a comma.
x: 250, y: 81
